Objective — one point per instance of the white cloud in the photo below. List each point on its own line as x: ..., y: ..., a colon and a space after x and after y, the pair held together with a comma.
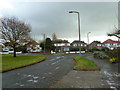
x: 5, y: 5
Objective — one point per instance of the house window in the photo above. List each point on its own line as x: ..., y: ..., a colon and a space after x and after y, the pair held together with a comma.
x: 66, y: 49
x: 98, y: 44
x: 111, y: 43
x: 74, y: 44
x: 81, y: 44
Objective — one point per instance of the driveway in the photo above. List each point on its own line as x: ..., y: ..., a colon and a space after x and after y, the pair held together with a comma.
x: 40, y: 75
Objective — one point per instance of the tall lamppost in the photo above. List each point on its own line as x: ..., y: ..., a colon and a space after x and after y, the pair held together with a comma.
x: 44, y: 40
x: 78, y: 27
x: 88, y: 39
x: 88, y: 36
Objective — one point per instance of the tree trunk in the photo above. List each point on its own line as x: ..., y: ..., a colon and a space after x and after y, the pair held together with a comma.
x: 14, y: 47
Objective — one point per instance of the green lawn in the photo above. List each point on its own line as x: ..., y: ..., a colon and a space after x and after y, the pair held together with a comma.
x: 82, y: 63
x: 10, y: 62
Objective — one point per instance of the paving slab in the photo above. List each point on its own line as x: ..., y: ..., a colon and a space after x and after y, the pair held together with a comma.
x: 82, y: 79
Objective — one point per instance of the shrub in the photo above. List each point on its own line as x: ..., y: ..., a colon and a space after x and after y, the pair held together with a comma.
x: 100, y: 55
x: 113, y: 60
x: 114, y: 53
x: 95, y: 49
x: 105, y: 49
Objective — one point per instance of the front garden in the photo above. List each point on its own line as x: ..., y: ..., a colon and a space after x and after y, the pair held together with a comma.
x: 82, y: 63
x: 113, y: 56
x: 9, y: 62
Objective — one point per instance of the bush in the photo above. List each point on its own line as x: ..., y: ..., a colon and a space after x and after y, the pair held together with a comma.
x: 74, y: 49
x: 100, y: 55
x: 114, y: 53
x: 94, y: 49
x: 105, y: 49
x: 112, y: 60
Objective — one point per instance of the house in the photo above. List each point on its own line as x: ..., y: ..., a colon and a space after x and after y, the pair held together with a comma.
x: 33, y: 46
x: 61, y: 45
x: 75, y: 45
x: 95, y: 44
x: 111, y: 44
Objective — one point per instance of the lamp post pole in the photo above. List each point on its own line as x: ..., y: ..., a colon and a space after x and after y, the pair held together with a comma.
x: 44, y: 40
x: 88, y: 39
x: 88, y: 36
x: 78, y: 28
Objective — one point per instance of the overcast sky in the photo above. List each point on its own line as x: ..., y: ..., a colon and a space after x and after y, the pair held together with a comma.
x: 99, y: 18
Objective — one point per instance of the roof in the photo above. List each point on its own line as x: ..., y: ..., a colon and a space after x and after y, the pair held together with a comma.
x: 32, y: 42
x: 77, y: 41
x: 98, y: 42
x: 60, y: 41
x: 110, y: 41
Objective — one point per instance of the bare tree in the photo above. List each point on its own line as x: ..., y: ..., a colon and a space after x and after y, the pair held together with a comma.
x: 115, y: 33
x: 54, y: 37
x: 14, y: 31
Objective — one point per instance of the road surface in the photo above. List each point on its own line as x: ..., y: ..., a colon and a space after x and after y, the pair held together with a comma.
x: 40, y: 75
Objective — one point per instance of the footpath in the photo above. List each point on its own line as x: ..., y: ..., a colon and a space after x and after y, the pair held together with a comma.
x: 107, y: 77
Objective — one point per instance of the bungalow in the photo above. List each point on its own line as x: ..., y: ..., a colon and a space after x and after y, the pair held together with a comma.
x: 111, y: 44
x: 61, y: 45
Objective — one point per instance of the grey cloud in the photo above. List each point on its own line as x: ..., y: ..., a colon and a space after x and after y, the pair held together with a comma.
x: 50, y: 17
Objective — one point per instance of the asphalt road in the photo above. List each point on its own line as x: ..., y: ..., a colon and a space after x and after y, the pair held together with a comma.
x: 40, y: 75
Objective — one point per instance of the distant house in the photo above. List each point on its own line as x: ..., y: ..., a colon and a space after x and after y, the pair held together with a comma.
x: 61, y: 45
x: 75, y: 45
x: 95, y: 44
x: 33, y: 46
x: 111, y: 44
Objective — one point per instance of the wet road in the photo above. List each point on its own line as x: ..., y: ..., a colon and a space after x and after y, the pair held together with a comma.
x: 111, y: 72
x: 40, y: 75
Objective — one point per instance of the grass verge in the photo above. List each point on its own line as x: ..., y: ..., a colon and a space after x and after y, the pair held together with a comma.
x: 9, y: 62
x: 82, y: 63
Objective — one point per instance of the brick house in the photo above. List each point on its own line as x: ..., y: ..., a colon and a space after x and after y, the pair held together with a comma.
x: 76, y: 44
x: 95, y: 44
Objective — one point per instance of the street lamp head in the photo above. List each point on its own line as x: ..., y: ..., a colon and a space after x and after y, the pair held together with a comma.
x: 70, y: 11
x: 73, y: 12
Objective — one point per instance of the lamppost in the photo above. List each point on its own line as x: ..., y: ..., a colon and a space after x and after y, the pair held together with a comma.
x: 88, y: 39
x: 44, y: 40
x: 88, y: 36
x: 78, y: 27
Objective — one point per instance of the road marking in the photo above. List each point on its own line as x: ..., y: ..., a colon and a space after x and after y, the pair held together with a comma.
x: 29, y: 75
x: 56, y: 62
x: 30, y: 80
x: 52, y: 59
x: 49, y: 73
x: 57, y: 68
x: 35, y: 77
x: 22, y: 85
x: 43, y: 77
x: 35, y: 81
x: 113, y: 87
x: 58, y: 57
x: 63, y: 56
x: 53, y: 63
